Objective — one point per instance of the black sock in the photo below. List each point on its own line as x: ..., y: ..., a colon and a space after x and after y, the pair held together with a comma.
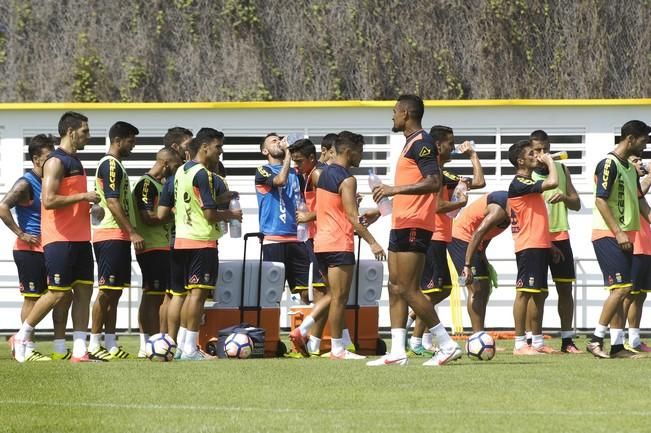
x: 616, y: 348
x: 529, y: 341
x: 596, y: 339
x: 566, y: 342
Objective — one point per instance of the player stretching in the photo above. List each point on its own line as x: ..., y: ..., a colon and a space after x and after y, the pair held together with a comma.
x: 417, y: 181
x: 530, y: 228
x: 65, y: 236
x: 615, y: 223
x: 559, y: 200
x: 25, y: 196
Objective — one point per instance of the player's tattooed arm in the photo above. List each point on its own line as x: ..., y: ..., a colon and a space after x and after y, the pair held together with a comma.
x: 18, y: 194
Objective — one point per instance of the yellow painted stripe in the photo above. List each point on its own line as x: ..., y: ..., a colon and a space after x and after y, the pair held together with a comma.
x: 63, y: 106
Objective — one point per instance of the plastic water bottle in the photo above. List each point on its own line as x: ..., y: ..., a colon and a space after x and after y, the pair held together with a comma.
x: 302, y: 228
x: 455, y: 151
x: 559, y: 156
x: 223, y: 227
x: 384, y: 205
x: 293, y: 137
x: 459, y: 192
x: 235, y: 225
x: 96, y: 214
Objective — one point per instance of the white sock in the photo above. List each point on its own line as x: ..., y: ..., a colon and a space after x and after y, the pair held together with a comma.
x: 345, y: 335
x: 79, y: 343
x: 398, y: 337
x: 410, y: 321
x: 616, y: 336
x: 567, y: 334
x: 442, y: 336
x: 25, y: 332
x: 634, y: 337
x: 337, y: 345
x: 94, y: 342
x: 537, y: 341
x: 30, y: 347
x: 529, y: 335
x: 427, y: 340
x: 415, y: 342
x: 520, y: 341
x: 143, y: 341
x: 313, y: 344
x: 110, y: 341
x: 190, y: 344
x: 600, y: 331
x: 180, y: 338
x: 305, y: 325
x: 59, y: 345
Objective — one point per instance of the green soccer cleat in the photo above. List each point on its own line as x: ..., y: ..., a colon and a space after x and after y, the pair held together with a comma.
x: 116, y: 353
x: 61, y: 356
x: 100, y: 354
x: 419, y: 351
x: 294, y: 355
x: 36, y: 356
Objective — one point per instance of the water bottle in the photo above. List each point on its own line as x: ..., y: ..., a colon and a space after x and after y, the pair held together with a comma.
x: 459, y: 192
x: 293, y: 137
x: 384, y: 205
x: 223, y: 227
x: 235, y: 225
x: 455, y: 151
x: 96, y: 214
x: 559, y: 156
x: 302, y: 228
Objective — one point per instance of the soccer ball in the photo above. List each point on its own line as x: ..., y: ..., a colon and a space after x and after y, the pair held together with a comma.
x: 160, y: 347
x: 238, y: 346
x: 480, y: 346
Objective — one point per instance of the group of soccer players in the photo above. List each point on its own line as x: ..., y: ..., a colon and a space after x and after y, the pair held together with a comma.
x: 173, y: 217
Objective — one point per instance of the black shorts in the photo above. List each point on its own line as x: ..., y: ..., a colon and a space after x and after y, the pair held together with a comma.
x: 436, y: 274
x: 317, y: 278
x: 615, y: 264
x: 155, y: 271
x: 113, y: 264
x: 177, y: 277
x: 478, y: 264
x: 563, y: 271
x: 409, y: 240
x: 296, y: 259
x: 32, y: 276
x: 334, y: 259
x: 67, y: 264
x: 532, y: 270
x: 200, y: 268
x: 641, y: 274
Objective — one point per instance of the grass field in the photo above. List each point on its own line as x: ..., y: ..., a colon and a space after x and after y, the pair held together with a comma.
x: 549, y: 393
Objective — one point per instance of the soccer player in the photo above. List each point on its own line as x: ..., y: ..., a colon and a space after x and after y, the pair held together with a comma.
x: 338, y: 220
x: 65, y: 236
x: 156, y: 233
x: 303, y: 154
x: 530, y: 228
x: 278, y: 190
x: 112, y: 239
x: 327, y: 148
x: 435, y: 281
x: 641, y: 271
x: 178, y: 139
x: 417, y: 181
x: 615, y: 223
x: 558, y: 201
x: 195, y: 191
x: 472, y: 231
x: 25, y: 196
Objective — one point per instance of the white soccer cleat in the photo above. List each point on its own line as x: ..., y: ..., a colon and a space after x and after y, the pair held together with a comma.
x: 389, y: 360
x: 346, y: 355
x: 18, y: 349
x: 443, y: 357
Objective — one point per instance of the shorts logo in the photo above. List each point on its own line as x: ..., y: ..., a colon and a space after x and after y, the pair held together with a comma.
x: 206, y: 278
x: 519, y: 283
x: 430, y: 284
x: 440, y: 282
x: 532, y: 280
x: 32, y: 286
x: 101, y: 281
x: 412, y: 236
x: 610, y: 280
x: 193, y: 279
x: 57, y: 279
x: 618, y: 277
x: 156, y: 284
x: 20, y: 287
x: 111, y: 279
x: 473, y: 270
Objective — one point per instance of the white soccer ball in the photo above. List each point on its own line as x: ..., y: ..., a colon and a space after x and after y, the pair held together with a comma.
x: 160, y: 347
x: 480, y: 346
x: 238, y: 346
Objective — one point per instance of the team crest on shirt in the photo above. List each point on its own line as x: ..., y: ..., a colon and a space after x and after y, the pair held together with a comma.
x: 425, y: 151
x: 618, y: 277
x: 57, y: 279
x: 519, y: 283
x: 206, y: 278
x: 193, y: 279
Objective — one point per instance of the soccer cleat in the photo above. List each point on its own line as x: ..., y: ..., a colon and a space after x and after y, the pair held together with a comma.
x: 389, y: 360
x: 178, y: 353
x: 571, y: 349
x: 100, y: 354
x: 346, y: 355
x: 526, y: 351
x: 597, y: 349
x: 316, y: 354
x: 418, y: 351
x: 443, y: 357
x: 87, y: 357
x: 299, y: 342
x: 547, y: 350
x: 294, y: 355
x: 37, y: 356
x: 625, y: 354
x: 142, y: 354
x: 196, y: 356
x: 61, y: 356
x: 18, y: 348
x: 118, y: 354
x: 351, y: 348
x: 643, y: 348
